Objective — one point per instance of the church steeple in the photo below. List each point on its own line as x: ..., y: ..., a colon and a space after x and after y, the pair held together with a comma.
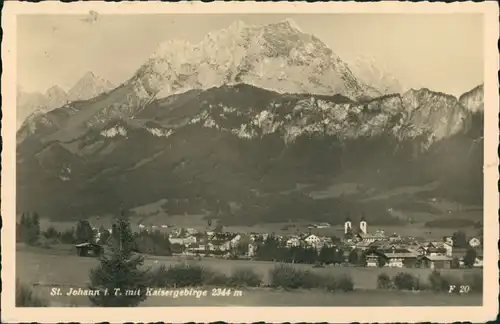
x: 363, y: 224
x: 347, y: 224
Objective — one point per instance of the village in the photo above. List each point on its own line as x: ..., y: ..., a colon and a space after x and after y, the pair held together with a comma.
x: 357, y: 247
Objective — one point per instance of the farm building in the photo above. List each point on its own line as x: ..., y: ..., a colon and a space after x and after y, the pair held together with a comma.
x: 474, y: 242
x: 373, y: 258
x: 436, y: 261
x: 401, y: 259
x: 372, y: 261
x: 88, y: 249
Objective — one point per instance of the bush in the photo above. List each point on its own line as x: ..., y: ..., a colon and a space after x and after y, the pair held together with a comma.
x: 245, y: 277
x: 158, y: 276
x: 438, y: 282
x: 44, y: 242
x: 421, y: 285
x: 286, y: 276
x: 384, y: 281
x: 345, y: 283
x: 455, y: 263
x: 474, y: 281
x: 25, y: 297
x: 213, y: 278
x: 180, y: 275
x: 405, y: 281
x: 51, y: 233
x: 330, y: 283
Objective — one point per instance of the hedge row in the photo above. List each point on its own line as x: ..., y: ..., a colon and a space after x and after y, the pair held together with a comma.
x: 284, y: 276
x: 436, y: 281
x: 192, y: 275
x: 289, y: 277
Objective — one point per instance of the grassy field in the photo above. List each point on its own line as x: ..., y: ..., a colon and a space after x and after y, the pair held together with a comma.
x: 59, y: 267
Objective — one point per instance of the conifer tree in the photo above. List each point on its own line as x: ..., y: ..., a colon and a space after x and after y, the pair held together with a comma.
x: 36, y: 224
x: 84, y: 232
x: 119, y: 276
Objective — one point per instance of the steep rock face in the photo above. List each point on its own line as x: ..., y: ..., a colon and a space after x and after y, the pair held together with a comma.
x: 88, y: 87
x: 473, y: 100
x: 293, y: 116
x: 438, y: 114
x: 277, y: 57
x: 423, y: 114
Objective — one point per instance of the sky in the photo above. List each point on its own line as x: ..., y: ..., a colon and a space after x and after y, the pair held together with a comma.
x: 442, y: 52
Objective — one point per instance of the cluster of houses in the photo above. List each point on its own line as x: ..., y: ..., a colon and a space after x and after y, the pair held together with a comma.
x: 393, y: 250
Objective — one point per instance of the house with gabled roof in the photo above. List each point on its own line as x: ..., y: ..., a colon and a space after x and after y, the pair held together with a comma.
x: 312, y: 240
x: 436, y: 261
x: 401, y: 259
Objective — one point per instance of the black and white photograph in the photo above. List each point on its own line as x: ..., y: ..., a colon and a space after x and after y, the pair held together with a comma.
x: 237, y: 159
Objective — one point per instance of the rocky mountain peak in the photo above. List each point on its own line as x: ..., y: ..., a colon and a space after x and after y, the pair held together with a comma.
x: 55, y: 90
x: 277, y: 56
x: 473, y: 100
x: 372, y: 72
x: 88, y: 87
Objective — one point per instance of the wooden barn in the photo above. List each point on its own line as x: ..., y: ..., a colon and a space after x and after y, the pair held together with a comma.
x: 88, y: 249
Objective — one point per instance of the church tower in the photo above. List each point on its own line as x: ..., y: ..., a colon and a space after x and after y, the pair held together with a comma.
x: 363, y: 225
x: 347, y: 225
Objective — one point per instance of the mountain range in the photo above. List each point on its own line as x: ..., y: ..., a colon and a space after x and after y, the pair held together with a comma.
x: 258, y: 117
x: 87, y: 87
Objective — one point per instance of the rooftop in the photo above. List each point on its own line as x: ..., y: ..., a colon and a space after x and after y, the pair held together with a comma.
x: 437, y: 258
x: 401, y: 255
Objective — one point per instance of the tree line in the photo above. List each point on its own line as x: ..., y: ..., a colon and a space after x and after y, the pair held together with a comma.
x: 28, y: 231
x: 272, y: 249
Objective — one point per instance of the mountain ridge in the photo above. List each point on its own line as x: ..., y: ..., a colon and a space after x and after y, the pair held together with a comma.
x: 55, y: 96
x: 177, y: 157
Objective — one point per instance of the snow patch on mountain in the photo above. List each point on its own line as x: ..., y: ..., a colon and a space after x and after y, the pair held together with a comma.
x: 114, y: 131
x: 244, y: 132
x: 160, y: 132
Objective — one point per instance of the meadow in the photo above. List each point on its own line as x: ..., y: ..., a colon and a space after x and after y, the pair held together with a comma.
x: 403, y: 203
x: 60, y: 267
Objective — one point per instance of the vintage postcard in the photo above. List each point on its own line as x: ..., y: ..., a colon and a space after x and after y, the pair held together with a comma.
x: 243, y: 162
